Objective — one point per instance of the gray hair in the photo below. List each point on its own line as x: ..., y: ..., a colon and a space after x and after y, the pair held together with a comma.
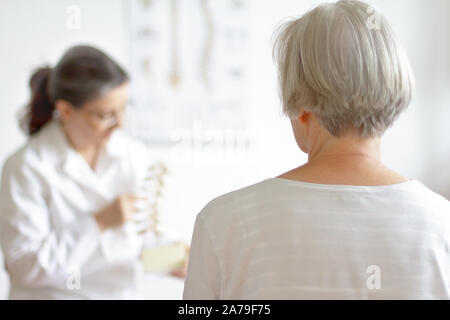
x: 343, y: 63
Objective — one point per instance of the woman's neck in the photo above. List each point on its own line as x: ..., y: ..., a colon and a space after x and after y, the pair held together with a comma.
x: 89, y: 153
x: 345, y: 161
x: 347, y: 149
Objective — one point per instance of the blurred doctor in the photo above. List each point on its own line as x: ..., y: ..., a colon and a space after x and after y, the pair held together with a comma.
x: 66, y: 198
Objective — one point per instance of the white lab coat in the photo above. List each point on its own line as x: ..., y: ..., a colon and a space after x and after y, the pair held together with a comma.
x: 52, y: 245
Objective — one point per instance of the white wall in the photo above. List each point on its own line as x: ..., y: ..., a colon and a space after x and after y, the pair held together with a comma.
x: 34, y: 32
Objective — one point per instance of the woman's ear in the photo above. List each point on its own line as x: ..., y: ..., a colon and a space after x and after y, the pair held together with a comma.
x: 64, y: 108
x: 304, y: 116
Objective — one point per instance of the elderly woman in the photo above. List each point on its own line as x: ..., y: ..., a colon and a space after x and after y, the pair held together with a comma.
x: 342, y: 226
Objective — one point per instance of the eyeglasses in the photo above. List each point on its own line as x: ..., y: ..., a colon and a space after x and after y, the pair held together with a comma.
x: 107, y: 120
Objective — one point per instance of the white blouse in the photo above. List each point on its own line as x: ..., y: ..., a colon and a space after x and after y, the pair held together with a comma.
x: 283, y: 239
x: 52, y: 245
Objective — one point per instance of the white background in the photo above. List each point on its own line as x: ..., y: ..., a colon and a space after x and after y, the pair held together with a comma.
x: 33, y: 33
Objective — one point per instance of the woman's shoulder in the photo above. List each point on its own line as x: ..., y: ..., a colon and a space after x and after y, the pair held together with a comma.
x: 24, y: 160
x: 431, y: 198
x: 38, y: 151
x: 250, y: 198
x: 233, y: 201
x: 350, y: 175
x: 27, y: 154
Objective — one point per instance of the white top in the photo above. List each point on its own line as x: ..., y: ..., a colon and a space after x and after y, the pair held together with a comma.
x: 282, y: 239
x: 52, y: 245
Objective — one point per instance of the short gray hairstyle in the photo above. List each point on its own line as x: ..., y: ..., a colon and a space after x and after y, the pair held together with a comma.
x: 342, y: 62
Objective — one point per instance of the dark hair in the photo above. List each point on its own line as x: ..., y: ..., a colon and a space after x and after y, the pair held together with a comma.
x: 83, y: 73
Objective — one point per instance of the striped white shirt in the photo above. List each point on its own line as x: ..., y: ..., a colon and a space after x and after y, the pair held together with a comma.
x: 283, y: 239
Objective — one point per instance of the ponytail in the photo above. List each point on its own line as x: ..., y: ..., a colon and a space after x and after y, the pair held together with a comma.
x: 40, y: 109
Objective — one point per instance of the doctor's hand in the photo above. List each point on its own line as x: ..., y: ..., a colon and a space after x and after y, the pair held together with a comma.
x: 119, y: 212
